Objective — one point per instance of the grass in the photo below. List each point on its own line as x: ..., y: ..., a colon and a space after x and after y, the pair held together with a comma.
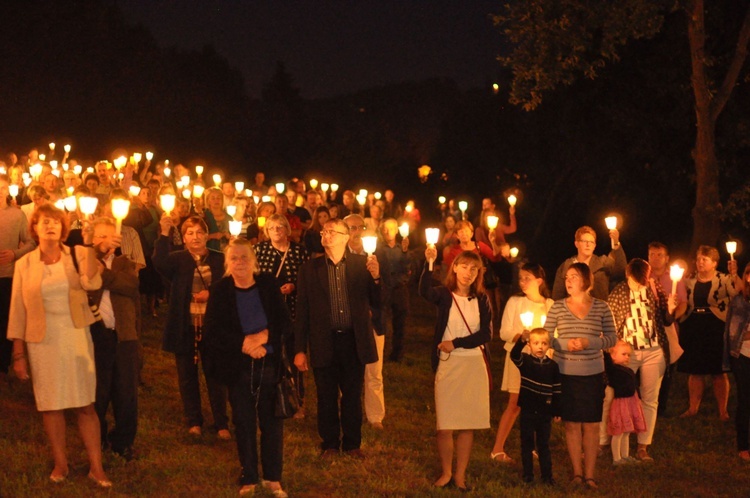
x: 694, y: 457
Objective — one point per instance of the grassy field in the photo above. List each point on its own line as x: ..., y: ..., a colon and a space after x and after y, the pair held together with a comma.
x: 694, y: 457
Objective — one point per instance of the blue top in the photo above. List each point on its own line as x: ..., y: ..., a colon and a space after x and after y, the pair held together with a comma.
x: 252, y: 317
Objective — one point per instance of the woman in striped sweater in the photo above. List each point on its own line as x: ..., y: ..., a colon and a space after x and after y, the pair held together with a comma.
x: 585, y: 327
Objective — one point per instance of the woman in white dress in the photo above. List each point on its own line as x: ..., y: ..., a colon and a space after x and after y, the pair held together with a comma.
x: 462, y: 389
x: 49, y: 319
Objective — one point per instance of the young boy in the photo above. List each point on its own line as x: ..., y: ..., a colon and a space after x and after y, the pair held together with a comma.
x: 538, y: 399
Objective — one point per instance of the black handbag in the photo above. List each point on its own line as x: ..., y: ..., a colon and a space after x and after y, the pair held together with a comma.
x: 287, y: 395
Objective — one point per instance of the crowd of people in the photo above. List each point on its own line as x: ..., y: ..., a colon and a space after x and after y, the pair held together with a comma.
x: 258, y: 279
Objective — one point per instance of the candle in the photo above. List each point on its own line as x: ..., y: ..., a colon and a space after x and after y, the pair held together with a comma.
x: 135, y: 190
x: 198, y: 190
x: 492, y: 222
x: 432, y: 235
x: 404, y: 229
x: 70, y: 190
x: 378, y: 195
x: 27, y: 181
x: 13, y: 190
x: 217, y: 180
x: 280, y: 187
x: 137, y: 156
x: 56, y: 172
x: 442, y: 199
x: 59, y: 204
x: 409, y: 207
x: 120, y: 162
x: 731, y: 248
x: 87, y: 205
x: 185, y: 180
x: 53, y: 164
x: 70, y: 203
x: 361, y: 199
x: 323, y: 186
x: 65, y: 166
x: 66, y: 148
x: 463, y: 206
x: 313, y: 183
x: 199, y: 170
x: 255, y: 198
x: 248, y: 192
x: 611, y: 222
x: 231, y: 210
x: 512, y: 200
x: 52, y: 147
x: 77, y: 169
x: 266, y: 198
x: 261, y: 221
x: 239, y: 186
x: 167, y: 172
x: 235, y: 228
x: 527, y: 319
x: 334, y: 187
x: 363, y: 192
x: 149, y: 156
x: 513, y: 252
x: 120, y: 208
x: 369, y: 244
x: 42, y: 157
x: 186, y: 193
x: 675, y: 274
x: 167, y: 203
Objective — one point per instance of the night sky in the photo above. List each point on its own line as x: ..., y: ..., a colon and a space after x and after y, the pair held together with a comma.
x: 333, y: 47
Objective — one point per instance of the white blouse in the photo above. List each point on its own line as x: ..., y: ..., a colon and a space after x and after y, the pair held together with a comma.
x: 457, y: 328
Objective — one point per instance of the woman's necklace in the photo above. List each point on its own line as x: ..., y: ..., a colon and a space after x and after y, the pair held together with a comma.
x: 48, y: 260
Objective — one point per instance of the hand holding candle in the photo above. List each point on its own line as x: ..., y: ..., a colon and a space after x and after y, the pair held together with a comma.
x: 432, y: 235
x: 675, y: 274
x: 611, y: 222
x: 235, y: 228
x: 492, y: 221
x: 731, y: 249
x: 120, y: 208
x: 527, y: 319
x: 167, y: 203
x: 369, y: 244
x: 403, y: 229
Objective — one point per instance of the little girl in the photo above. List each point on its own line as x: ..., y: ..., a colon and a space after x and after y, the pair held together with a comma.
x: 625, y: 414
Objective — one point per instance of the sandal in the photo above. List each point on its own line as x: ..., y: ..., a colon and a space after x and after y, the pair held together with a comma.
x: 643, y: 456
x: 501, y: 457
x: 591, y: 483
x: 576, y: 481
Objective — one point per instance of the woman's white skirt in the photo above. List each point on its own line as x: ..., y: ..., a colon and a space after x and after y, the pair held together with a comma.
x: 462, y: 393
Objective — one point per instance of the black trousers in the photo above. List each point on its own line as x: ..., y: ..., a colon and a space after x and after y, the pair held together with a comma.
x: 247, y: 418
x: 535, y: 432
x: 6, y: 346
x: 346, y: 374
x: 116, y: 383
x: 187, y: 377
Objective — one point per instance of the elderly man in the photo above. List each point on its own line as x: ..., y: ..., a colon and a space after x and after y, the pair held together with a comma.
x: 374, y: 395
x: 395, y: 280
x: 602, y: 267
x: 115, y: 338
x: 106, y: 182
x: 14, y: 243
x: 335, y: 296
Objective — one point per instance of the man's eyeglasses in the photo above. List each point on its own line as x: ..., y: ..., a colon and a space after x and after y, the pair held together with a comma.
x: 354, y: 228
x: 331, y: 232
x: 587, y: 242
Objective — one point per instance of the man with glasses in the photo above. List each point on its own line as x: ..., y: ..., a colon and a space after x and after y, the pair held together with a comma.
x: 374, y: 396
x: 602, y: 267
x: 335, y: 296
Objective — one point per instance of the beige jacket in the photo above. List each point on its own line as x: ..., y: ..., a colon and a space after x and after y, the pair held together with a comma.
x: 27, y: 319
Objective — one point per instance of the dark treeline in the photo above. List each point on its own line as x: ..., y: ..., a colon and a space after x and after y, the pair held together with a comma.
x: 622, y: 143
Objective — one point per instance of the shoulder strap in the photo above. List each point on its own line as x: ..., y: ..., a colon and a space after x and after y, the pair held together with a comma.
x: 461, y: 313
x: 283, y: 258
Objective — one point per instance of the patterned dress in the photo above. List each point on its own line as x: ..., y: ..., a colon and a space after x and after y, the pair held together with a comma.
x: 269, y: 259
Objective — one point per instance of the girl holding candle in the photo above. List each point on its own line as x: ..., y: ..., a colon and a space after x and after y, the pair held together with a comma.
x: 534, y: 299
x: 461, y: 376
x: 702, y: 328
